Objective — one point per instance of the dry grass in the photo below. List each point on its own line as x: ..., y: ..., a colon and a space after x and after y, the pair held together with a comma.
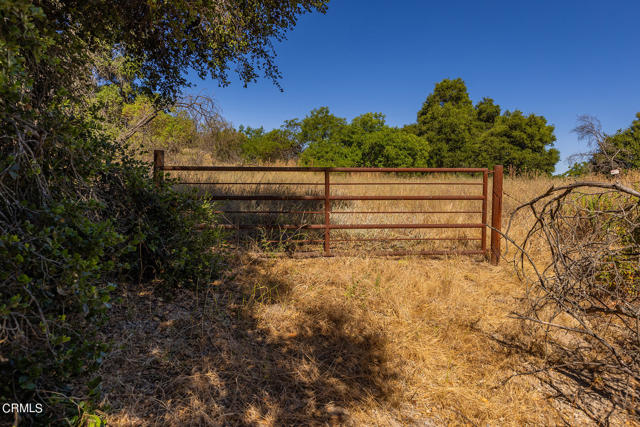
x: 332, y: 341
x: 341, y: 341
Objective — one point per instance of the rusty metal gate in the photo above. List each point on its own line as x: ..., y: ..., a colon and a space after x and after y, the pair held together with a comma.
x: 326, y: 199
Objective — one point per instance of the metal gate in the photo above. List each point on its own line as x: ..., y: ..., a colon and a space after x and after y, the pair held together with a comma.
x: 323, y: 199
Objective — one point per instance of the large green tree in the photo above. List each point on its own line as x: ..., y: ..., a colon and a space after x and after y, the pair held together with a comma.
x: 447, y: 121
x: 519, y: 141
x: 166, y: 38
x: 77, y: 212
x: 465, y: 135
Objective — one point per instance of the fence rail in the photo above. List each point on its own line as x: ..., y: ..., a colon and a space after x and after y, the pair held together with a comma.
x: 327, y: 198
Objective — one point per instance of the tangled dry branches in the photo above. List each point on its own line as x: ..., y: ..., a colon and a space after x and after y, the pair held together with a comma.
x: 584, y: 304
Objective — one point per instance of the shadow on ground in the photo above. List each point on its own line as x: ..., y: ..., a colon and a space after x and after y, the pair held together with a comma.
x: 206, y: 357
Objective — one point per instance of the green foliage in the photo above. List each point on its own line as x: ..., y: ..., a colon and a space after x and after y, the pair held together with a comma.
x: 487, y: 112
x: 78, y: 213
x: 321, y: 126
x: 278, y: 144
x: 330, y: 154
x: 366, y: 141
x: 326, y: 142
x: 169, y: 130
x: 393, y: 148
x: 447, y: 92
x: 464, y: 135
x: 164, y: 39
x: 617, y: 270
x: 578, y: 169
x: 623, y: 147
x: 449, y: 126
x: 160, y: 224
x: 520, y: 141
x: 449, y: 132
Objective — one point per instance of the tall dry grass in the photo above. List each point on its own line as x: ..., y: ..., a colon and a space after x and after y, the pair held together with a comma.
x: 351, y: 340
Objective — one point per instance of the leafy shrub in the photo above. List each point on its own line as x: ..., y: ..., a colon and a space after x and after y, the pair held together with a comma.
x: 161, y: 223
x: 367, y: 141
x: 78, y: 215
x: 60, y: 262
x: 578, y: 169
x: 393, y: 148
x: 278, y: 144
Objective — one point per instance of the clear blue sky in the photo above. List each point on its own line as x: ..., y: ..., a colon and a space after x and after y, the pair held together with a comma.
x: 558, y: 59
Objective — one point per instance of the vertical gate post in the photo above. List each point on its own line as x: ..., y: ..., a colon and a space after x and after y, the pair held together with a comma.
x: 485, y: 180
x: 327, y: 213
x: 496, y: 214
x: 158, y: 166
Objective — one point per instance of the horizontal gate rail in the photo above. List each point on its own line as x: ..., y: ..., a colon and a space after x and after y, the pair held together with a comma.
x: 313, y: 169
x: 322, y: 183
x: 403, y: 212
x: 326, y: 198
x: 345, y: 226
x: 279, y: 197
x: 347, y: 212
x: 380, y: 239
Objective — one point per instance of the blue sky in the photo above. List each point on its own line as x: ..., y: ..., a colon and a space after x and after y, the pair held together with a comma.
x: 558, y: 59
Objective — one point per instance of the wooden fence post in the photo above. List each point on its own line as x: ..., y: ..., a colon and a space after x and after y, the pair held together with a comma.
x: 496, y: 214
x: 158, y: 166
x: 327, y: 213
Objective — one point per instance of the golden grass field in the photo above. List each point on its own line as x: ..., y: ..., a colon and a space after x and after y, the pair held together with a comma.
x: 348, y: 340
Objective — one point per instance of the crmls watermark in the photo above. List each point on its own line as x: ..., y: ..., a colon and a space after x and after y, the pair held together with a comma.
x: 22, y: 408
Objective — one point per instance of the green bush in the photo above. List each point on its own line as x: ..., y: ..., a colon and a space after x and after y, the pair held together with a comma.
x: 367, y: 141
x: 161, y: 223
x: 578, y: 169
x: 79, y: 215
x: 277, y: 144
x: 61, y: 261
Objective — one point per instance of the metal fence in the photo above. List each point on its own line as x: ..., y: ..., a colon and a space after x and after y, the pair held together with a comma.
x: 326, y: 199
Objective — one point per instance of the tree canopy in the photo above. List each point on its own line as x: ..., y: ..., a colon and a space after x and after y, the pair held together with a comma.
x: 449, y: 132
x: 464, y: 135
x: 78, y: 212
x: 163, y: 39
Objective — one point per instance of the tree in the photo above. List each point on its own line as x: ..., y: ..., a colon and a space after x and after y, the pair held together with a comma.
x: 366, y: 141
x: 607, y: 152
x: 320, y: 126
x: 393, y: 148
x: 277, y: 144
x: 170, y: 130
x: 447, y: 121
x: 452, y: 92
x: 628, y: 142
x: 463, y: 135
x: 164, y: 39
x: 487, y: 111
x: 521, y: 141
x: 77, y: 212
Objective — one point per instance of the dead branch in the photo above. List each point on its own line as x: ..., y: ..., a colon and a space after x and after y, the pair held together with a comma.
x: 584, y: 304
